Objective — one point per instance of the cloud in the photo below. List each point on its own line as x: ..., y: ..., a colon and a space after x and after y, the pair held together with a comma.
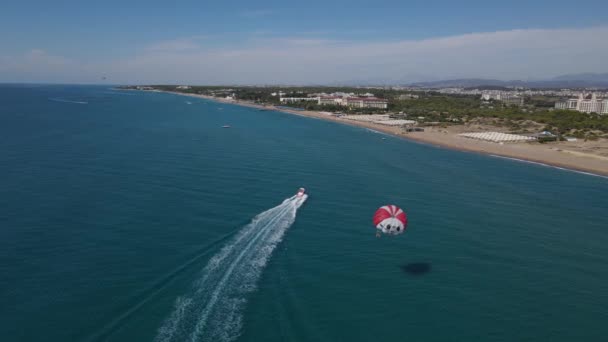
x: 181, y: 44
x: 42, y: 58
x: 35, y: 59
x: 41, y: 66
x: 512, y: 54
x: 36, y: 65
x: 190, y: 43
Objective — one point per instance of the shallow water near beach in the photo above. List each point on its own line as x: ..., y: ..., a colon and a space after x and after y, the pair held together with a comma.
x: 134, y: 216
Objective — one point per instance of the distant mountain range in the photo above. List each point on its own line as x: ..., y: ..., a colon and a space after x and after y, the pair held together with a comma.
x: 563, y: 81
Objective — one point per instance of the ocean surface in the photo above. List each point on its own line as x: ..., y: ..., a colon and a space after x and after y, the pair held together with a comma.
x: 133, y: 216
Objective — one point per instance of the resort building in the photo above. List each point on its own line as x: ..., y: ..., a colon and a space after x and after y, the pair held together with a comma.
x: 331, y: 101
x: 507, y: 98
x: 354, y: 102
x: 585, y: 103
x: 366, y: 102
x: 297, y: 99
x: 512, y: 100
x: 561, y: 104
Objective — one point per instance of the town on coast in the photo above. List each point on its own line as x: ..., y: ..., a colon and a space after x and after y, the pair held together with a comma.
x: 565, y: 128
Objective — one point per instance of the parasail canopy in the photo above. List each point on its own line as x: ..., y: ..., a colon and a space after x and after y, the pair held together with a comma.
x: 390, y: 219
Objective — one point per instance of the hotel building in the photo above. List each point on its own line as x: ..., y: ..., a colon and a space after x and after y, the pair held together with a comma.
x: 586, y: 104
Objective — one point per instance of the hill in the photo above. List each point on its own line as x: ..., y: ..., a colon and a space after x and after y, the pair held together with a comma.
x: 564, y: 81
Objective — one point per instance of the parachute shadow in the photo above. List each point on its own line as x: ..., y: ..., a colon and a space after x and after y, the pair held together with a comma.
x: 416, y: 268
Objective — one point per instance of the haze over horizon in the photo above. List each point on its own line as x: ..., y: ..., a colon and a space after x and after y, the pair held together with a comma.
x: 304, y: 43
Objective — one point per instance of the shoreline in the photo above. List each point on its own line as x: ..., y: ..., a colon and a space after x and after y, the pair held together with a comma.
x: 551, y: 155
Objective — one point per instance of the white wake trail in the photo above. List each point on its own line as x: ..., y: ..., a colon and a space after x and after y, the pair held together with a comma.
x: 67, y: 101
x: 213, y: 309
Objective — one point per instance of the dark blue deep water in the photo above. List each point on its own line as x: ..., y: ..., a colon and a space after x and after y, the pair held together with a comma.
x: 121, y: 214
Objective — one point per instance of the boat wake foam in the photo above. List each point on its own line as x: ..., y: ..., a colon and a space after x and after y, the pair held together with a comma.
x: 212, y: 311
x: 54, y: 99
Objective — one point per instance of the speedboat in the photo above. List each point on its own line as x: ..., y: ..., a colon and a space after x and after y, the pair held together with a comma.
x: 226, y: 126
x: 301, y: 192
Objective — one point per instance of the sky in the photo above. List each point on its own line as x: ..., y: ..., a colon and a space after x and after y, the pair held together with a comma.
x: 298, y: 42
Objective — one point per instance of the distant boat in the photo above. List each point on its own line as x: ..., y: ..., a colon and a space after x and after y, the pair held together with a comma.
x: 187, y: 102
x: 226, y: 126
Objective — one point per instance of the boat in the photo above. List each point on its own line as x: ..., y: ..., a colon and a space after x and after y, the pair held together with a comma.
x: 301, y: 192
x: 226, y: 126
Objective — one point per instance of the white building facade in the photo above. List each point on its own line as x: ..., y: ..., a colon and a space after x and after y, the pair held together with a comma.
x: 297, y: 99
x: 585, y: 104
x: 354, y: 102
x: 330, y: 101
x: 507, y: 98
x: 366, y: 102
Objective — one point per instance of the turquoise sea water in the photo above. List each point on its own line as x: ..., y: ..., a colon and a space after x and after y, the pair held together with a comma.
x: 126, y: 216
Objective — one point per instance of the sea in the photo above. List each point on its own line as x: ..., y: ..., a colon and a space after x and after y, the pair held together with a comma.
x: 135, y: 216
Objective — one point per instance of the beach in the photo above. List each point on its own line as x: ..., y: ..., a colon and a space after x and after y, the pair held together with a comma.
x: 590, y: 156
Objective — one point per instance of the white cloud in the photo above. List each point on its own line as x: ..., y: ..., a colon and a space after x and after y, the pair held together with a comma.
x: 36, y: 65
x: 42, y: 58
x: 179, y: 44
x: 33, y: 60
x: 514, y: 54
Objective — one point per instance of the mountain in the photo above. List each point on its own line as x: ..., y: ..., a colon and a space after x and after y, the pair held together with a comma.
x: 587, y: 77
x: 386, y: 81
x: 462, y: 82
x: 564, y: 81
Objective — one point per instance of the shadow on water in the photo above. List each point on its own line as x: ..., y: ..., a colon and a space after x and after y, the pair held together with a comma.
x: 416, y: 268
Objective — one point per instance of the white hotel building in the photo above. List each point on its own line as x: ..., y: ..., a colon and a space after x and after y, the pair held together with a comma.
x: 354, y: 102
x: 366, y: 102
x: 506, y: 97
x: 585, y: 104
x: 297, y: 99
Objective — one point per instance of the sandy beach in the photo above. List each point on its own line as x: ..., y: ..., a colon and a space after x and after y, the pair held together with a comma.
x: 590, y: 156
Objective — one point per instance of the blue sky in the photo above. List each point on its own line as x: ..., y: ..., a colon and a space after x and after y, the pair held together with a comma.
x: 235, y: 42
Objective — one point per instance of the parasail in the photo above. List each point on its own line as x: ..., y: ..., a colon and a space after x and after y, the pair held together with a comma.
x: 390, y: 219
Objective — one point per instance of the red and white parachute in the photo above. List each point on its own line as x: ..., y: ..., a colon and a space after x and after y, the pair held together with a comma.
x: 390, y: 219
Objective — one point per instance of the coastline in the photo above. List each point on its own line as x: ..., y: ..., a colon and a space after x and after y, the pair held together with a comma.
x: 546, y: 154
